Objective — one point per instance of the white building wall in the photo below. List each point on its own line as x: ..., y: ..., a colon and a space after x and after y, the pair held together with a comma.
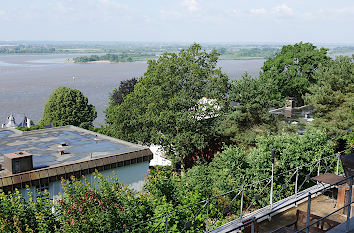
x: 158, y: 156
x: 132, y: 175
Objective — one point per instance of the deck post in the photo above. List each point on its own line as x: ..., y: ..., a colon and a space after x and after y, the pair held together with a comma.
x: 241, y: 208
x: 318, y: 169
x: 207, y: 216
x: 296, y: 181
x: 349, y: 205
x: 308, y: 213
x: 272, y: 180
x: 166, y: 223
x: 338, y: 157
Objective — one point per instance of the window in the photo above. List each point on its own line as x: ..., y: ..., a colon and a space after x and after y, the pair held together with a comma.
x: 41, y: 189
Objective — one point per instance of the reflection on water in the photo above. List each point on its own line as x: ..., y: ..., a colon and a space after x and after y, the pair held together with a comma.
x: 49, y: 60
x: 2, y: 63
x: 26, y: 81
x: 6, y: 64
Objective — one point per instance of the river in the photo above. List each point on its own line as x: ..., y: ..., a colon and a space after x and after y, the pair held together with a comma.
x: 28, y: 80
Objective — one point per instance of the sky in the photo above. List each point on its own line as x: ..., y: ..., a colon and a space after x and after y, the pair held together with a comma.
x: 284, y: 21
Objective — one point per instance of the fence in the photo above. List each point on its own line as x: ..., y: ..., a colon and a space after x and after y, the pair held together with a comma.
x: 208, y: 214
x: 349, y: 201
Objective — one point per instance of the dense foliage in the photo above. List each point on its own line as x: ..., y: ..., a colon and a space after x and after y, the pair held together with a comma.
x: 174, y: 104
x: 67, y: 106
x: 291, y: 71
x: 333, y: 97
x: 252, y: 98
x: 33, y: 215
x: 236, y: 167
x: 350, y: 142
x: 125, y: 87
x: 104, y: 205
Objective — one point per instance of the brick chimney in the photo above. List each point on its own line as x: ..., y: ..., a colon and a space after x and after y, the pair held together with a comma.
x: 289, y: 107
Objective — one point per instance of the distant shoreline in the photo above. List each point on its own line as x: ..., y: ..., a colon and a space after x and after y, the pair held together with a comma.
x: 113, y: 62
x: 102, y: 61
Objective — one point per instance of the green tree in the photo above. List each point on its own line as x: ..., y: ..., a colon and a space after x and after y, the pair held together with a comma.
x: 125, y: 87
x: 291, y: 70
x: 253, y: 98
x: 174, y: 104
x: 333, y: 97
x: 67, y: 106
x: 104, y: 205
x: 236, y: 167
x: 350, y: 142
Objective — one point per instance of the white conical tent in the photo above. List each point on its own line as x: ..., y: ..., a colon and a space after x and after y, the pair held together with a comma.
x: 11, y: 122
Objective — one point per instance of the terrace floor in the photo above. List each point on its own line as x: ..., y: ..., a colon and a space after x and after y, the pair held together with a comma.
x: 321, y: 205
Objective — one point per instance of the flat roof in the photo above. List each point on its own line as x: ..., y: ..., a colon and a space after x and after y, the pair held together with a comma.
x: 45, y: 144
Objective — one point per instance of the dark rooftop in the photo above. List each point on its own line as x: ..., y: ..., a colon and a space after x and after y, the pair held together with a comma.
x: 45, y: 145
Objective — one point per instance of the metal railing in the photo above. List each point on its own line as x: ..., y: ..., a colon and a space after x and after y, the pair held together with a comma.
x: 236, y: 204
x: 349, y: 202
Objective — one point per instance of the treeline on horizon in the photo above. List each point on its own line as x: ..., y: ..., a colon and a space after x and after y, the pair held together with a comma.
x: 112, y: 58
x: 137, y: 50
x: 247, y: 53
x: 215, y: 147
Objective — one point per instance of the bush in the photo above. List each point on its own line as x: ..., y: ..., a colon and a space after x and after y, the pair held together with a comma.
x: 67, y: 106
x: 33, y: 215
x: 102, y: 206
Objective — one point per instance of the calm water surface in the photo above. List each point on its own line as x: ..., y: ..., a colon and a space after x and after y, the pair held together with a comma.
x: 26, y: 81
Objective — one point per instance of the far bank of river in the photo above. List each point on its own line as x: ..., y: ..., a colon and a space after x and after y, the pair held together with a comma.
x: 28, y: 80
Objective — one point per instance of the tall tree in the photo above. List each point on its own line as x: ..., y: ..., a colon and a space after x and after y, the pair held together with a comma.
x: 125, y: 87
x: 333, y: 96
x: 67, y: 106
x: 174, y: 104
x: 291, y: 70
x: 253, y: 98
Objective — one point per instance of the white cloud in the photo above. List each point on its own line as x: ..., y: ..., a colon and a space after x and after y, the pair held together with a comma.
x: 110, y: 3
x: 283, y: 9
x: 233, y: 12
x: 258, y: 11
x: 236, y: 11
x: 330, y: 15
x: 4, y: 15
x: 170, y: 14
x: 348, y: 10
x: 191, y: 5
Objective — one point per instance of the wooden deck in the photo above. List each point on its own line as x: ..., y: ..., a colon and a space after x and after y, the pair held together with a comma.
x: 278, y: 207
x: 342, y: 227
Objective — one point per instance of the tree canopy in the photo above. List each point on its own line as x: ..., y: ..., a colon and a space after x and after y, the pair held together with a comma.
x: 253, y: 98
x: 125, y: 87
x: 332, y: 96
x: 67, y: 106
x: 175, y: 103
x: 291, y: 70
